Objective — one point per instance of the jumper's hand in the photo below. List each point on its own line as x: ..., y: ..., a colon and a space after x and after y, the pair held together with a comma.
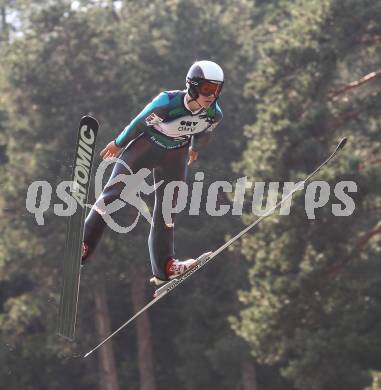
x: 110, y: 151
x: 193, y: 155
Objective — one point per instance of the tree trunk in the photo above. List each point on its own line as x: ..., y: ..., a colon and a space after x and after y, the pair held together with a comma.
x: 106, y: 361
x: 4, y: 26
x: 143, y: 331
x: 249, y: 378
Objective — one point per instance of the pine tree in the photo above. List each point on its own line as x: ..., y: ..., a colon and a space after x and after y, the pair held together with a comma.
x: 313, y: 303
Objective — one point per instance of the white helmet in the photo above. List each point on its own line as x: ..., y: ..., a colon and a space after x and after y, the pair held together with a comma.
x: 205, y: 78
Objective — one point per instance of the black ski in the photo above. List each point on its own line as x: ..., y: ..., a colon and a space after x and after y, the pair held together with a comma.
x: 83, y: 161
x: 206, y: 257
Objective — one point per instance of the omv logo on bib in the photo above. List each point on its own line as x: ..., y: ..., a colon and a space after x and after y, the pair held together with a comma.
x: 187, y: 126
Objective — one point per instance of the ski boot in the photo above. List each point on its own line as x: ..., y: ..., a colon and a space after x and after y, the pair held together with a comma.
x: 177, y: 271
x: 174, y: 268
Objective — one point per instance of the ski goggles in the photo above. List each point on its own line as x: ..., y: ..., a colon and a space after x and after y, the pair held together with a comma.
x: 208, y: 88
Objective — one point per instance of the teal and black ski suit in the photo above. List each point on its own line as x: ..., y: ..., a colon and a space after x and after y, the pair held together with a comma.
x: 158, y: 138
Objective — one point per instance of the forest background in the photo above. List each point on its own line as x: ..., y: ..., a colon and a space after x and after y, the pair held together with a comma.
x: 296, y: 304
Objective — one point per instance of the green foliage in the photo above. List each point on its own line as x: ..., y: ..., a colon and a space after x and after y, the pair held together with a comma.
x: 64, y: 62
x: 283, y: 62
x: 321, y: 329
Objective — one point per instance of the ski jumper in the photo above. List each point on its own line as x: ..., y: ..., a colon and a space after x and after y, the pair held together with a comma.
x: 158, y: 138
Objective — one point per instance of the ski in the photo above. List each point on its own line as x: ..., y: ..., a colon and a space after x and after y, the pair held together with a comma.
x: 83, y: 161
x: 207, y: 257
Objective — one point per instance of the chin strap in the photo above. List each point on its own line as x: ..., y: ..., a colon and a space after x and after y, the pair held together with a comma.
x: 194, y: 100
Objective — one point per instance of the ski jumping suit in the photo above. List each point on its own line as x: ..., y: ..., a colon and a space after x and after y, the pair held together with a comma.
x: 157, y: 138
